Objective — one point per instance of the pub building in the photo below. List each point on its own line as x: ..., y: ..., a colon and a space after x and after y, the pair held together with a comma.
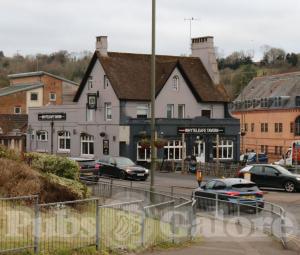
x: 110, y: 113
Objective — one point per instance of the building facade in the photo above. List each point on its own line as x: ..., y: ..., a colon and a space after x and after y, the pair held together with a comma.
x: 35, y: 89
x: 111, y: 110
x: 269, y: 110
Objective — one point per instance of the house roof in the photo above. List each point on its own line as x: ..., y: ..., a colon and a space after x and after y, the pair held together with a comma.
x: 39, y: 73
x: 129, y: 75
x: 9, y: 122
x: 18, y: 88
x: 285, y: 86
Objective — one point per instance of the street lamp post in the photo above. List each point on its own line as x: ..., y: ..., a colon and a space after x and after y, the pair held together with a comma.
x: 153, y: 156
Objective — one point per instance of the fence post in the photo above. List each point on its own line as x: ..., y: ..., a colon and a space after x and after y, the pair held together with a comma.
x: 98, y: 222
x: 111, y: 187
x: 173, y: 222
x: 143, y: 227
x: 238, y: 210
x: 283, y: 229
x: 256, y: 207
x: 172, y: 191
x: 217, y: 206
x: 191, y: 214
x: 36, y: 226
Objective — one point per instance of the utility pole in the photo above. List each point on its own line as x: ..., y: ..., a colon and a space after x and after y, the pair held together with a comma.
x: 153, y: 154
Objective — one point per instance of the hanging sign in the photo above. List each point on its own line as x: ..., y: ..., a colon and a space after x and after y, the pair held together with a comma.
x: 201, y: 130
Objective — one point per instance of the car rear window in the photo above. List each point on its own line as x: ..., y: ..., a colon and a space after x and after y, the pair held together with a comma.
x: 245, y: 187
x: 87, y: 163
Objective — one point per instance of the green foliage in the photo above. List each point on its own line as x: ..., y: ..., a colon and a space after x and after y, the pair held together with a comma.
x: 60, y: 63
x: 235, y: 60
x: 60, y: 166
x: 292, y: 59
x: 8, y: 154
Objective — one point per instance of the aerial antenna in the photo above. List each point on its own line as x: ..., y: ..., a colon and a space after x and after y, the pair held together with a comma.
x: 190, y: 20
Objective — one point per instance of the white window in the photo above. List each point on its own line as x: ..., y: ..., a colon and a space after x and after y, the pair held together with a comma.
x: 52, y: 96
x: 90, y: 82
x: 108, y: 111
x: 87, y: 145
x: 143, y: 154
x: 225, y: 149
x: 17, y: 110
x: 175, y: 83
x: 90, y: 114
x: 64, y: 141
x: 170, y: 111
x: 105, y: 82
x: 142, y: 111
x: 42, y: 135
x: 173, y: 150
x: 181, y: 111
x: 33, y: 96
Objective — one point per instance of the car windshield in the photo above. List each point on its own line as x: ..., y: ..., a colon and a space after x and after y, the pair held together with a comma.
x: 245, y: 187
x: 124, y: 162
x: 283, y: 170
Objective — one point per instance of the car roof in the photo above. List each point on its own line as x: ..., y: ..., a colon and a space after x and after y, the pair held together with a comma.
x: 232, y: 181
x: 81, y: 159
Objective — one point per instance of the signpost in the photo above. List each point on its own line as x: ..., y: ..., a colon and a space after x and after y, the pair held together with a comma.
x: 52, y: 116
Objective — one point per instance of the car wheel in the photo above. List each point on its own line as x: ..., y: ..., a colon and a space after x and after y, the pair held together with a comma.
x: 122, y: 175
x: 289, y: 186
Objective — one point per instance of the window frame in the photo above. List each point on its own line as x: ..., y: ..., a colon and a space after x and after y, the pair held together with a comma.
x: 146, y: 153
x: 39, y: 136
x: 224, y: 146
x: 65, y: 137
x: 90, y: 141
x: 17, y: 107
x: 90, y: 82
x: 108, y: 107
x: 50, y: 97
x: 175, y: 83
x: 172, y: 111
x: 105, y: 82
x: 171, y: 150
x: 182, y: 111
x: 32, y: 94
x: 141, y: 107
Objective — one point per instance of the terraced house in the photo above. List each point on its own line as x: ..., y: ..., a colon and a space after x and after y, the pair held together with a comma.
x: 111, y: 108
x: 269, y: 110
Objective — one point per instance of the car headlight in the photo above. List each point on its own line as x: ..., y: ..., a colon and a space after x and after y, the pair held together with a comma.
x: 128, y: 170
x: 146, y: 171
x: 298, y: 179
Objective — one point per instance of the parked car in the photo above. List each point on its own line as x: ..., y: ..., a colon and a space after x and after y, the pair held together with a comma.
x: 122, y: 168
x: 272, y: 176
x: 231, y: 191
x: 88, y: 168
x: 250, y: 158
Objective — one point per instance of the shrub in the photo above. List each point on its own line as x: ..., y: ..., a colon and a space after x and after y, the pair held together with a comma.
x: 8, y: 154
x: 60, y: 166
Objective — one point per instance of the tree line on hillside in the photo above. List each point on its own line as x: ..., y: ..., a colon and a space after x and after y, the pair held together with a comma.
x: 62, y: 63
x: 238, y: 69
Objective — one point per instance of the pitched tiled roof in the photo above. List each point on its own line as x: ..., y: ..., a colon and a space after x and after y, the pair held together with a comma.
x: 8, y: 122
x: 129, y: 75
x: 17, y: 88
x: 286, y: 86
x: 39, y: 73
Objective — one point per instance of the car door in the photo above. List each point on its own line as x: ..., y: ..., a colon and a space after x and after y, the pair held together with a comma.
x: 272, y: 177
x: 112, y: 169
x: 257, y: 175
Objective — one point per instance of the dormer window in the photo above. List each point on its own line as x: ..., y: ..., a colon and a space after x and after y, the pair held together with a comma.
x: 90, y: 82
x: 175, y: 83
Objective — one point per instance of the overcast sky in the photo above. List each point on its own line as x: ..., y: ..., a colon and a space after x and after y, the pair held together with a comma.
x: 44, y: 26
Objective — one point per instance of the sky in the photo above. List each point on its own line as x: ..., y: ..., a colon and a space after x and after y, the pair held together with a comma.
x: 29, y: 27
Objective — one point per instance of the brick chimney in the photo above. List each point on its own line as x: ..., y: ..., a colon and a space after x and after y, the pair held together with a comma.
x: 203, y: 48
x: 101, y: 45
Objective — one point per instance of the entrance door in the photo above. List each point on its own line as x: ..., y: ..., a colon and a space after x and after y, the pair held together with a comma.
x: 199, y: 151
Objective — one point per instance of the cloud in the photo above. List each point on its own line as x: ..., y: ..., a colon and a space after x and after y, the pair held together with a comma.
x: 44, y: 26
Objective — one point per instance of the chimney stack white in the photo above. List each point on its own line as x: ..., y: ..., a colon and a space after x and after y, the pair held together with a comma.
x: 101, y: 45
x: 203, y: 48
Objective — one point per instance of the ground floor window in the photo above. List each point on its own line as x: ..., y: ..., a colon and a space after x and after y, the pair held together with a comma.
x: 87, y: 144
x: 173, y: 150
x: 42, y: 135
x: 225, y: 149
x: 64, y: 141
x: 143, y: 154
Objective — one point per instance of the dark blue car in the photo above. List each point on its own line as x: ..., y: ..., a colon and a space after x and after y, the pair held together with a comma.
x: 250, y: 158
